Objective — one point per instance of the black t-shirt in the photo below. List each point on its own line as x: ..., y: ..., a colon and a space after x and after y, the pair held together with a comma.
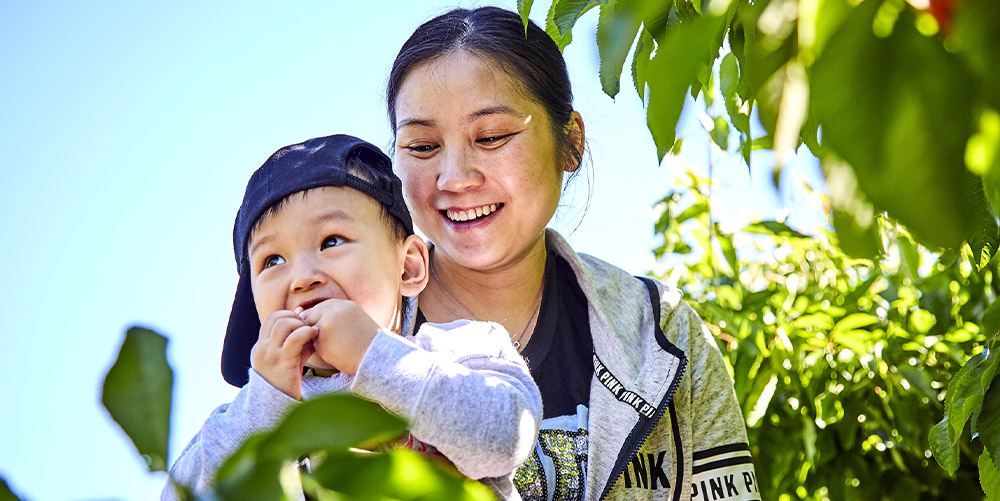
x: 560, y: 350
x: 560, y: 358
x: 562, y: 364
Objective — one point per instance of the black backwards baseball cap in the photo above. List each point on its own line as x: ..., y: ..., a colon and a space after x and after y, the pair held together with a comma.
x: 320, y: 161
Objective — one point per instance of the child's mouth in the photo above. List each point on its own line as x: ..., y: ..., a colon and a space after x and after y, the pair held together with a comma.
x: 470, y: 215
x: 312, y: 302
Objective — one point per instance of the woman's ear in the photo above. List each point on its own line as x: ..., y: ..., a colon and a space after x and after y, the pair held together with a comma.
x: 415, y: 259
x: 574, y: 128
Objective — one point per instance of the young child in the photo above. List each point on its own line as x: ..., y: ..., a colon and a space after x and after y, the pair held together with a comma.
x: 328, y: 263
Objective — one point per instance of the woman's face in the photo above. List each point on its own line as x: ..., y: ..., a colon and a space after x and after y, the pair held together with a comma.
x: 478, y: 161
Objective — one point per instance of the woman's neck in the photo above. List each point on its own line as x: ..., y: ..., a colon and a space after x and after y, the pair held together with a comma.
x: 509, y: 295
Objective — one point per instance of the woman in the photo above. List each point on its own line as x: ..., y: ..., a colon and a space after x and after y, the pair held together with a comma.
x: 637, y: 400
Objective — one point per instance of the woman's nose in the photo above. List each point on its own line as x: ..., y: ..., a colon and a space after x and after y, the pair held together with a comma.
x: 458, y: 171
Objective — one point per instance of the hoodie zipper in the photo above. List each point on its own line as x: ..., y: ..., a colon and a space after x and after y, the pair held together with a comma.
x: 651, y: 424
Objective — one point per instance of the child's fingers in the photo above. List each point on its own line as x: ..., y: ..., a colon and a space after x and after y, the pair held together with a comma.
x: 300, y: 337
x: 268, y: 325
x: 283, y: 327
x: 313, y: 315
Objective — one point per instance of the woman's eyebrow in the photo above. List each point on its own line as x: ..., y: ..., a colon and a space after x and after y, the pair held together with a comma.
x: 500, y: 109
x: 419, y: 122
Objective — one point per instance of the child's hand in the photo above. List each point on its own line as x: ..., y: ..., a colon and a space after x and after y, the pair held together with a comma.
x: 281, y: 351
x: 345, y: 331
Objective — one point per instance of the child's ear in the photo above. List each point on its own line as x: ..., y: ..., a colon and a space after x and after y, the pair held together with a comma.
x: 415, y: 259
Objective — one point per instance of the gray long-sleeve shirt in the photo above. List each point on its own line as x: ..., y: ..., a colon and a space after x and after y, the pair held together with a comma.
x: 447, y: 381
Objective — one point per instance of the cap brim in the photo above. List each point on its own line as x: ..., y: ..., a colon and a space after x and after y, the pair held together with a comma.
x: 241, y: 334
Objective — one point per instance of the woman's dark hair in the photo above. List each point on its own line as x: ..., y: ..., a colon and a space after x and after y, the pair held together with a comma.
x: 530, y: 57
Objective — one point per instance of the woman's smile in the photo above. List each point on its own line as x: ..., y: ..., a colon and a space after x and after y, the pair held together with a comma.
x: 470, y: 215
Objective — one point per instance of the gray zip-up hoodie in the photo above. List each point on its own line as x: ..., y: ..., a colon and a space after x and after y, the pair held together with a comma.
x: 664, y: 422
x: 462, y: 386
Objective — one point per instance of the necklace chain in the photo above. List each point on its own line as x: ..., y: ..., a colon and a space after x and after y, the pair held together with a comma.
x: 516, y: 341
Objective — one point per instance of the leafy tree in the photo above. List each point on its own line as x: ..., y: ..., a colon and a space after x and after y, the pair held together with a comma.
x: 898, y: 99
x: 839, y: 363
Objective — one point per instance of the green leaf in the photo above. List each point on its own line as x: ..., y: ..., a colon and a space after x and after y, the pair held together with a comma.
x: 986, y: 233
x: 922, y: 321
x: 859, y: 341
x: 726, y: 244
x: 561, y: 39
x: 855, y: 321
x: 853, y: 238
x: 990, y: 323
x: 729, y: 77
x: 245, y: 474
x: 944, y: 445
x: 524, y: 8
x: 564, y: 13
x: 765, y: 55
x: 137, y: 394
x: 6, y: 494
x: 883, y: 113
x: 809, y: 438
x: 330, y: 423
x: 671, y: 72
x: 617, y: 25
x: 392, y: 475
x: 720, y: 133
x: 988, y: 422
x: 820, y: 321
x: 989, y: 476
x: 976, y: 38
x: 773, y: 228
x: 692, y: 211
x: 640, y: 62
x: 982, y: 153
x: 965, y: 395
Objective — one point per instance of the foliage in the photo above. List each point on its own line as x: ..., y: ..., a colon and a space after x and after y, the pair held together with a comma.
x: 137, y: 394
x: 332, y: 434
x: 5, y: 492
x: 867, y: 85
x: 898, y: 99
x: 839, y: 363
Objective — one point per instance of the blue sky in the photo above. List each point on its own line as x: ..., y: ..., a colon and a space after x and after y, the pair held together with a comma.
x: 129, y: 130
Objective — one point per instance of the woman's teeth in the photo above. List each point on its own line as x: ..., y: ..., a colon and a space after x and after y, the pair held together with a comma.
x: 471, y: 214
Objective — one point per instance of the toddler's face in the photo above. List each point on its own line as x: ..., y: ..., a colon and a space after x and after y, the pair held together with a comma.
x: 329, y: 242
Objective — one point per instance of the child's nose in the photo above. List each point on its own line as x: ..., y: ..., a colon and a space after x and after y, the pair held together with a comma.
x: 307, y: 278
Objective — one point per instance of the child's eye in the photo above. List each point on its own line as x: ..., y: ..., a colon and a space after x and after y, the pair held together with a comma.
x: 331, y: 241
x: 273, y: 260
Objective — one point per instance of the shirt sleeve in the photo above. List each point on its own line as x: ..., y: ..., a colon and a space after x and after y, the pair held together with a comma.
x: 258, y: 406
x: 464, y: 389
x: 720, y: 447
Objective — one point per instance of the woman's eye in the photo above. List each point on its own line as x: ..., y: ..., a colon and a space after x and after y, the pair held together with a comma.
x: 422, y: 148
x: 331, y: 241
x: 493, y: 139
x: 273, y: 260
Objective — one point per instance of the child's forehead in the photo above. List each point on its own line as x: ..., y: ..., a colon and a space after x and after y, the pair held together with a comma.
x: 314, y: 206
